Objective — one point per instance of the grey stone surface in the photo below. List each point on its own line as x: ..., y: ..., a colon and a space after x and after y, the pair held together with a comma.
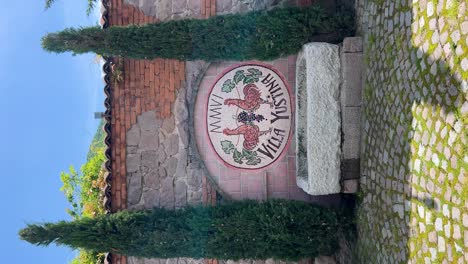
x: 133, y: 136
x: 133, y: 162
x: 151, y: 198
x: 351, y: 132
x: 168, y: 124
x: 167, y: 9
x: 242, y: 6
x: 352, y: 44
x: 318, y: 119
x: 135, y: 189
x: 167, y: 193
x: 152, y: 179
x: 149, y: 159
x: 180, y: 193
x: 352, y: 65
x: 171, y: 165
x: 148, y: 140
x: 148, y: 122
x: 171, y: 144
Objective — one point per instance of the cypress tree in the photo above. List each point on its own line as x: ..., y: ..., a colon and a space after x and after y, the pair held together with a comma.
x: 262, y: 35
x: 286, y: 230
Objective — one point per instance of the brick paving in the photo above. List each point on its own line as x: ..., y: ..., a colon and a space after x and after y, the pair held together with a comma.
x: 414, y: 185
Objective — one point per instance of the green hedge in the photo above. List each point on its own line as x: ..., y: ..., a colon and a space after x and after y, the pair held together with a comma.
x: 262, y: 35
x: 286, y: 230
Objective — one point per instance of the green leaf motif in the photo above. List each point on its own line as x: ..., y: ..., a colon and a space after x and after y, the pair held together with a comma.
x: 253, y: 76
x: 228, y: 85
x: 250, y: 79
x: 237, y: 156
x: 254, y: 161
x: 255, y: 72
x: 239, y: 76
x: 248, y: 154
x: 227, y: 146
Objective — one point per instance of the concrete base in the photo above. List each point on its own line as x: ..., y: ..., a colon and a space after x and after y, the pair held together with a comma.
x: 328, y: 117
x: 351, y: 100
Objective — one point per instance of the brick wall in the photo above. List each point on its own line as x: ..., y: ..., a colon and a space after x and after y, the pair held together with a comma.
x: 208, y: 8
x: 146, y: 85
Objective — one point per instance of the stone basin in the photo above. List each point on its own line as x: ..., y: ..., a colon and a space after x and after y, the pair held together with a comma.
x: 318, y: 119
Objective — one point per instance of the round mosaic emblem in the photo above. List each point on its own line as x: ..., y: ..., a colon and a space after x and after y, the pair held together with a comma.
x: 249, y: 116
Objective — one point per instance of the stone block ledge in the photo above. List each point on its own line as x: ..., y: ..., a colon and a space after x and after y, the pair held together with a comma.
x: 328, y: 115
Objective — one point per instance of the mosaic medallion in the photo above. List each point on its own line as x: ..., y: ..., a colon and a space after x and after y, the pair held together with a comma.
x: 249, y: 116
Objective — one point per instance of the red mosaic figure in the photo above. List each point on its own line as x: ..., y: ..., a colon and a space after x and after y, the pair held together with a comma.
x: 251, y: 134
x: 252, y: 99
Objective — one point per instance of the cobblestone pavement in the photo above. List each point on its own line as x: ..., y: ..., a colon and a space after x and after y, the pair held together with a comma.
x: 414, y: 189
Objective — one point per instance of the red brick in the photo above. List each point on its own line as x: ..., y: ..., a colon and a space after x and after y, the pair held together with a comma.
x: 123, y: 191
x: 171, y: 77
x: 231, y: 186
x: 282, y: 66
x: 256, y: 187
x: 213, y: 8
x: 230, y: 174
x: 213, y: 196
x: 292, y: 73
x: 204, y: 191
x: 236, y: 195
x: 202, y: 7
x: 157, y: 64
x: 207, y: 8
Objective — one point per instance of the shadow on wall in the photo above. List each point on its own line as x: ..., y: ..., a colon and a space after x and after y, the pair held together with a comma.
x: 414, y: 141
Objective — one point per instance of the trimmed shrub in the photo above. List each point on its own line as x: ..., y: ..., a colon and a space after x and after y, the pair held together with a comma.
x: 286, y: 230
x: 263, y: 35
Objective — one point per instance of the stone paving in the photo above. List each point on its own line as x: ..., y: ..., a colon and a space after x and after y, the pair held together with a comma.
x: 414, y: 186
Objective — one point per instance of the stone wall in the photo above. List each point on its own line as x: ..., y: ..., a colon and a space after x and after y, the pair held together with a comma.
x: 164, y: 10
x: 164, y: 168
x: 169, y: 10
x: 163, y: 164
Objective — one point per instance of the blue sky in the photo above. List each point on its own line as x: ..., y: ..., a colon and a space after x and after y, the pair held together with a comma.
x: 47, y: 103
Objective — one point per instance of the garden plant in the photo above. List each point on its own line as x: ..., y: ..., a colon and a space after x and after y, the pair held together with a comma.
x: 82, y: 189
x: 262, y: 35
x: 280, y: 229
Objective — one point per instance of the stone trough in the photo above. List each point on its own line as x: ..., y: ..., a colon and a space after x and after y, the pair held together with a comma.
x: 328, y: 101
